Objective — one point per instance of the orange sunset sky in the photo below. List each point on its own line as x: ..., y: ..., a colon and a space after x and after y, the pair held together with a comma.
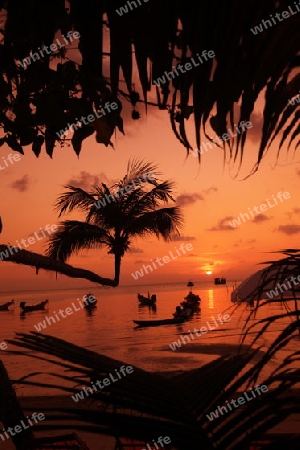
x: 210, y: 194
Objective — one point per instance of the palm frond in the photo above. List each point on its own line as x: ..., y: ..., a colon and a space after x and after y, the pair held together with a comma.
x: 139, y: 202
x: 138, y: 169
x: 198, y: 392
x: 217, y: 93
x: 76, y: 198
x: 164, y: 222
x: 73, y: 236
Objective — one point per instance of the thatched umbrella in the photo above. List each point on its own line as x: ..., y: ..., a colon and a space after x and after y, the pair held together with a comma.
x: 265, y: 284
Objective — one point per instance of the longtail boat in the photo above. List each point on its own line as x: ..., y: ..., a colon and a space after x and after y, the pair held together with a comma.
x: 5, y: 306
x: 38, y: 307
x: 156, y: 323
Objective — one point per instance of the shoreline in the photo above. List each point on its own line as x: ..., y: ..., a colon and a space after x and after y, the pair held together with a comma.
x: 29, y: 403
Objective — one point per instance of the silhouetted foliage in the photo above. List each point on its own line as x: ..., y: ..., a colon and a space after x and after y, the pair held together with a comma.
x: 146, y: 404
x: 135, y: 206
x: 40, y: 100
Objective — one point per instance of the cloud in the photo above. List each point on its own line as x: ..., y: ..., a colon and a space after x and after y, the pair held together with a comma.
x: 210, y: 190
x: 238, y: 243
x: 294, y: 211
x: 188, y: 199
x: 135, y: 250
x: 182, y: 238
x: 37, y: 235
x: 86, y: 180
x: 223, y: 225
x: 260, y: 218
x: 22, y: 184
x: 251, y: 241
x: 298, y: 171
x: 289, y: 229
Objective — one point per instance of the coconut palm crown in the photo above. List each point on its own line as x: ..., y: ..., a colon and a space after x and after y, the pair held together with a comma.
x: 132, y: 207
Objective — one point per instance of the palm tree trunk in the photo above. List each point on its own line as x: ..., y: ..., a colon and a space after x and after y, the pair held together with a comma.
x: 118, y: 259
x: 43, y: 262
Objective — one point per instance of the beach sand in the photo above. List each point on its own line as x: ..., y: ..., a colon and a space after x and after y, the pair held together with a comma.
x: 37, y: 404
x: 102, y: 442
x: 291, y: 425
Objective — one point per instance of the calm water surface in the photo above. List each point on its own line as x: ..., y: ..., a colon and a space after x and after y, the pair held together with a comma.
x: 110, y: 329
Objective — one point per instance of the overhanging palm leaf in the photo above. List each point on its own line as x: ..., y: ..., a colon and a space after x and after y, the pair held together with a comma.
x: 198, y: 392
x: 275, y: 286
x: 219, y: 92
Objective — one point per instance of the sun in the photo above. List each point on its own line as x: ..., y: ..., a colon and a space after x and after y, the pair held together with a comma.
x: 208, y: 272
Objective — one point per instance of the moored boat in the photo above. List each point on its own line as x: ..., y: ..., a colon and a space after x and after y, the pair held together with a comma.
x: 90, y: 301
x: 192, y: 298
x: 155, y: 323
x: 147, y: 300
x: 195, y: 306
x: 5, y: 306
x: 38, y: 307
x: 185, y: 313
x: 221, y: 280
x: 191, y: 301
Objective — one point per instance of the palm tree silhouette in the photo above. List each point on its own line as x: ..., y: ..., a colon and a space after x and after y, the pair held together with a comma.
x: 130, y: 208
